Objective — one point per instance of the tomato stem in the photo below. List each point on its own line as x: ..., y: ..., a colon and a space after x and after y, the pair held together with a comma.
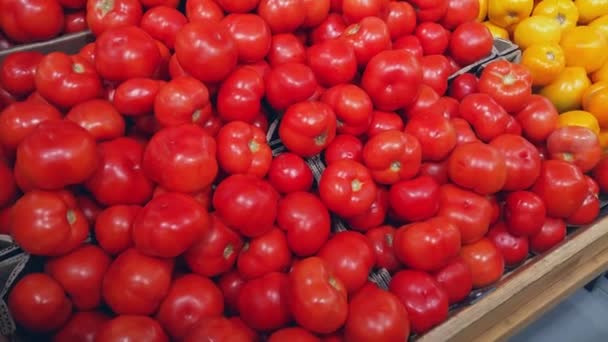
x: 254, y: 146
x: 509, y: 79
x: 105, y: 6
x: 71, y: 216
x: 228, y: 250
x: 196, y: 116
x: 356, y: 185
x: 78, y: 68
x: 321, y: 139
x: 389, y: 239
x: 395, y: 166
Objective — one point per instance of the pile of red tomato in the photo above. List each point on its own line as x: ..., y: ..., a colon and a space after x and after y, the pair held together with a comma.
x: 153, y: 142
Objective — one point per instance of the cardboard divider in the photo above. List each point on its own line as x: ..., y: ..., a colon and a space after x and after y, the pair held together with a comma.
x: 69, y: 43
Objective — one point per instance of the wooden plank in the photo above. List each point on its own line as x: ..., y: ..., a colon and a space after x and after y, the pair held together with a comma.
x: 525, y: 294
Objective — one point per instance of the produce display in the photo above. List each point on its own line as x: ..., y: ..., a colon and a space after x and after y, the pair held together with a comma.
x: 307, y: 170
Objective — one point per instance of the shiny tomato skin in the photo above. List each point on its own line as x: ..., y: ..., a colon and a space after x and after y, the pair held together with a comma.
x: 20, y: 119
x: 282, y: 15
x: 264, y: 254
x: 430, y: 10
x: 102, y: 15
x: 587, y: 213
x: 409, y: 43
x: 376, y: 315
x: 384, y: 121
x: 38, y: 303
x: 433, y: 37
x: 344, y: 146
x: 263, y: 302
x: 200, y: 10
x: 318, y: 299
x: 347, y: 188
x: 522, y: 161
x: 181, y: 158
x: 182, y: 100
x: 460, y: 12
x: 126, y: 52
x: 436, y: 70
x: 27, y: 21
x: 456, y: 279
x: 80, y: 273
x: 239, y: 96
x: 436, y: 134
x: 289, y: 173
x: 479, y: 167
x: 577, y: 145
x: 83, y: 326
x: 424, y: 299
x: 427, y: 97
x: 470, y: 42
x: 471, y: 212
x: 162, y: 23
x: 599, y: 173
x: 18, y: 71
x: 286, y: 48
x: 206, y: 50
x: 436, y: 170
x: 382, y: 240
x: 464, y: 131
x: 538, y: 118
x: 551, y: 234
x: 352, y: 106
x: 333, y: 62
x: 113, y: 228
x: 463, y: 85
x: 308, y: 127
x: 190, y: 299
x: 427, y: 245
x: 368, y: 37
x: 392, y: 79
x: 218, y: 329
x: 132, y: 327
x: 562, y: 187
x: 136, y: 284
x: 350, y: 258
x: 119, y: 179
x: 135, y: 96
x: 243, y: 149
x: 392, y: 156
x: 75, y: 22
x: 486, y: 116
x: 524, y: 213
x: 374, y: 216
x: 230, y: 283
x: 416, y: 199
x: 400, y: 17
x: 332, y: 27
x: 306, y: 220
x: 295, y: 334
x: 99, y: 117
x: 289, y: 83
x: 40, y: 164
x: 247, y: 204
x: 252, y: 35
x: 514, y: 249
x: 485, y: 260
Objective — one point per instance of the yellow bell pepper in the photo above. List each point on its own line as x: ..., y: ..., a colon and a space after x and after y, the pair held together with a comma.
x: 505, y: 13
x: 545, y: 62
x: 589, y: 10
x: 579, y: 118
x: 595, y: 101
x: 536, y: 30
x: 585, y: 46
x: 604, y: 140
x: 496, y: 31
x: 483, y: 10
x: 566, y: 91
x: 601, y: 74
x: 562, y: 11
x: 601, y: 24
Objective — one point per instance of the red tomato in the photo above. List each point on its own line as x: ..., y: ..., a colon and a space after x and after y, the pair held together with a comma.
x: 347, y: 188
x: 430, y: 10
x: 99, y: 117
x: 163, y: 23
x: 18, y: 70
x: 472, y: 213
x: 242, y: 149
x: 355, y: 10
x: 286, y: 48
x: 190, y: 300
x: 485, y: 260
x: 132, y: 328
x: 264, y: 254
x: 103, y: 15
x: 562, y: 186
x: 400, y: 17
x: 25, y: 21
x: 352, y: 106
x: 289, y: 83
x: 435, y: 133
x: 509, y: 84
x: 588, y: 211
x: 460, y: 12
x: 83, y: 326
x: 136, y: 284
x: 201, y: 10
x: 318, y: 299
x: 333, y: 62
x: 464, y: 132
x: 384, y: 121
x: 289, y: 173
x: 239, y: 6
x: 486, y: 116
x: 283, y: 15
x: 368, y: 37
x: 136, y: 96
x: 456, y: 279
x: 330, y: 28
x: 247, y: 204
x: 80, y: 273
x: 231, y: 283
x: 251, y: 34
x: 382, y: 241
x: 38, y: 303
x: 478, y: 167
x: 206, y: 50
x: 433, y: 38
x: 436, y: 170
x: 524, y: 213
x: 376, y: 315
x: 308, y: 127
x: 436, y: 70
x: 600, y: 173
x: 263, y: 302
x: 551, y: 234
x: 427, y: 245
x: 464, y: 84
x: 126, y: 52
x: 218, y: 329
x: 344, y: 146
x: 470, y: 42
x: 294, y: 334
x: 392, y: 79
x: 75, y: 22
x: 306, y: 221
x: 316, y: 12
x: 350, y: 258
x: 416, y: 199
x: 120, y: 178
x: 427, y: 97
x: 522, y: 161
x: 424, y: 299
x: 577, y: 145
x: 538, y: 118
x: 113, y: 228
x: 239, y: 95
x: 392, y: 156
x: 181, y: 158
x: 514, y: 249
x: 409, y: 43
x: 182, y: 100
x: 373, y: 217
